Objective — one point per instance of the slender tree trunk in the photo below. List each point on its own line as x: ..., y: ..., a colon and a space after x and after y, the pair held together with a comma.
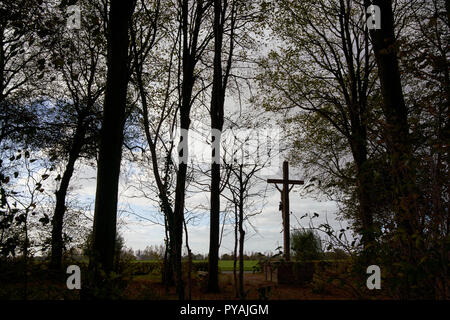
x: 241, y: 250
x: 241, y: 234
x: 3, y: 130
x: 167, y: 272
x: 178, y: 228
x: 180, y: 189
x: 190, y: 59
x: 214, y: 231
x: 364, y: 190
x: 25, y: 260
x: 2, y: 66
x: 217, y: 104
x: 111, y: 139
x: 189, y: 269
x: 60, y: 208
x: 220, y: 79
x: 236, y: 228
x: 162, y: 188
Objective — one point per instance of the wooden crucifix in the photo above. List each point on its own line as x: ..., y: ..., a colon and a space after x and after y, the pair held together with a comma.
x: 285, y: 204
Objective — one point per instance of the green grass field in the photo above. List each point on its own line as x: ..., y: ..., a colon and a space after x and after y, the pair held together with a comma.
x: 225, y: 265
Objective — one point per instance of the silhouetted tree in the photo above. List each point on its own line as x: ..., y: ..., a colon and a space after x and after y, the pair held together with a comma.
x: 111, y: 137
x: 81, y: 66
x: 222, y: 13
x: 191, y: 19
x: 398, y: 139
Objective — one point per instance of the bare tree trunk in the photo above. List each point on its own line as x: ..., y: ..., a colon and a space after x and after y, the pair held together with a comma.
x: 364, y: 181
x: 190, y: 59
x: 241, y: 234
x: 2, y: 70
x: 162, y: 187
x: 236, y: 228
x: 241, y: 251
x: 213, y: 258
x: 110, y: 153
x: 167, y: 272
x: 25, y: 260
x: 220, y: 79
x: 60, y: 208
x: 178, y: 228
x: 189, y: 263
x: 217, y: 105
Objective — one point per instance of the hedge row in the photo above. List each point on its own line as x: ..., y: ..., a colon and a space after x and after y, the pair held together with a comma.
x: 303, y: 272
x: 41, y: 269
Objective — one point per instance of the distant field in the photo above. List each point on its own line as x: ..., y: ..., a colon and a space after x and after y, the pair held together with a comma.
x: 224, y: 265
x: 227, y: 265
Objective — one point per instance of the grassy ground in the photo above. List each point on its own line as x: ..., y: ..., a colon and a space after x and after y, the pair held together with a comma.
x: 41, y: 286
x: 150, y: 287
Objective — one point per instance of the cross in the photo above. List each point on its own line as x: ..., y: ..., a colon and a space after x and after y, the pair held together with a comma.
x: 285, y: 204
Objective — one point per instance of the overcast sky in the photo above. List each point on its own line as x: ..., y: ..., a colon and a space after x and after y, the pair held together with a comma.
x: 265, y: 232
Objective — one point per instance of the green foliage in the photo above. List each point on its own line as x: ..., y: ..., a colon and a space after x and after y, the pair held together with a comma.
x: 306, y: 245
x: 329, y: 275
x: 146, y: 267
